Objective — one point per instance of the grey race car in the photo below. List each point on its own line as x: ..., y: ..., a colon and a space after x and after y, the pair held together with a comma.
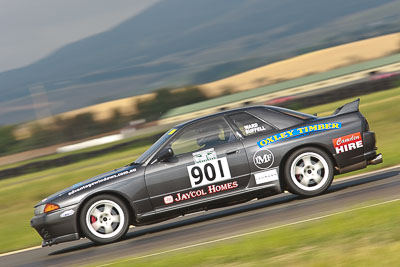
x: 217, y: 160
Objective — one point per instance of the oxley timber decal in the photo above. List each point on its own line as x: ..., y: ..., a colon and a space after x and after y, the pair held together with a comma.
x: 347, y: 143
x: 298, y: 132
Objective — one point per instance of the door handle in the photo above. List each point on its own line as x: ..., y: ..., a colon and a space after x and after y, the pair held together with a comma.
x: 232, y: 152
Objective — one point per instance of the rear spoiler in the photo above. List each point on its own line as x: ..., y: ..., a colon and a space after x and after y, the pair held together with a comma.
x: 348, y: 108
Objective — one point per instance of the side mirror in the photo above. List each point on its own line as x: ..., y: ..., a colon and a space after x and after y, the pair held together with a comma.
x: 165, y: 154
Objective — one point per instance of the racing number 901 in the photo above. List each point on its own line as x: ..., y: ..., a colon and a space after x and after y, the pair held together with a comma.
x: 197, y: 172
x: 209, y: 172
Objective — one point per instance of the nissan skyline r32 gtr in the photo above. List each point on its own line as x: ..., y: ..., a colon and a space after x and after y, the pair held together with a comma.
x: 214, y: 161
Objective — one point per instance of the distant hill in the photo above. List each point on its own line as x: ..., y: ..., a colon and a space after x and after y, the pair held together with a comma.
x: 306, y: 64
x: 178, y: 42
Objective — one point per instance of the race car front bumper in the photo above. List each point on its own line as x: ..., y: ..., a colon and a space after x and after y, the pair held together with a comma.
x: 58, y: 226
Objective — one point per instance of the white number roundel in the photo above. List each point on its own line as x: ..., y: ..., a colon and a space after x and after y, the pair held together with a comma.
x: 209, y: 172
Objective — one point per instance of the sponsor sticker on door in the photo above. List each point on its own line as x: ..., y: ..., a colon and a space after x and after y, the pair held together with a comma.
x: 263, y: 159
x: 266, y: 176
x: 193, y: 194
x: 204, y: 155
x: 209, y: 172
x: 168, y: 199
x: 347, y: 142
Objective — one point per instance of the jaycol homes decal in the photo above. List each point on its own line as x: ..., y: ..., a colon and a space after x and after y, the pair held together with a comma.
x: 347, y: 142
x: 298, y: 132
x: 263, y: 159
x: 89, y: 185
x: 211, y: 189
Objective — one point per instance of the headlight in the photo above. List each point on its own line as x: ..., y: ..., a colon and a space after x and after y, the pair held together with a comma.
x: 39, y: 209
x: 46, y: 208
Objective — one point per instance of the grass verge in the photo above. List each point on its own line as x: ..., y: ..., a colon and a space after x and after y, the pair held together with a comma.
x: 18, y: 195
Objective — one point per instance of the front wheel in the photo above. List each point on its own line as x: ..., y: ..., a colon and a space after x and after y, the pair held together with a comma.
x: 104, y: 219
x: 308, y: 172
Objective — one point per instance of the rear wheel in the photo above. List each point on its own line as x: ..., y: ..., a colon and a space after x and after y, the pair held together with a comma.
x: 308, y: 172
x: 104, y: 219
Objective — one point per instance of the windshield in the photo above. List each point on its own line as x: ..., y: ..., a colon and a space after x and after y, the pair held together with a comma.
x: 155, y: 147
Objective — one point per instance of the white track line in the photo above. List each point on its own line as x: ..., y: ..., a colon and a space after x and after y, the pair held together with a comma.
x: 251, y: 233
x: 18, y: 251
x: 335, y: 181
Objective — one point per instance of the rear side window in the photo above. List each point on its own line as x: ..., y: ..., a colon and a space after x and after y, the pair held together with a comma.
x: 275, y: 117
x: 249, y: 125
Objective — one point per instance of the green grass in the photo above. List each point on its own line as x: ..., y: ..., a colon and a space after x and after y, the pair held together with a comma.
x: 18, y: 195
x: 365, y: 237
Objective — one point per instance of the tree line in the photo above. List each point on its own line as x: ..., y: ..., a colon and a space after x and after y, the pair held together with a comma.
x: 85, y: 125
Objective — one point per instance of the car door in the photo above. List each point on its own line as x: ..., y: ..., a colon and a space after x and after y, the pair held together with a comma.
x: 263, y: 162
x: 209, y: 162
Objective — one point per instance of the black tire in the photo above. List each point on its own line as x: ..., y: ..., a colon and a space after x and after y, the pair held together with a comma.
x: 308, y: 172
x: 104, y: 219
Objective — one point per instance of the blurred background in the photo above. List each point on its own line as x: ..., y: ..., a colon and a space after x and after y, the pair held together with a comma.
x: 86, y: 86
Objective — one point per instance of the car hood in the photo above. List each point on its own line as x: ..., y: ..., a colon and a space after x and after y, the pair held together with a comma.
x: 91, y: 182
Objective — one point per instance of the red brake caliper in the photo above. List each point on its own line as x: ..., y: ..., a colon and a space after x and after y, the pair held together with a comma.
x: 93, y: 219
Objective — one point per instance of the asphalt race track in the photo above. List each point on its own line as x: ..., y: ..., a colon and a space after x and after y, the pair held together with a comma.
x: 219, y: 223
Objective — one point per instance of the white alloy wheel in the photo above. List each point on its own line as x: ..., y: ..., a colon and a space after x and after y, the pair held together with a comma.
x: 105, y: 219
x: 309, y: 171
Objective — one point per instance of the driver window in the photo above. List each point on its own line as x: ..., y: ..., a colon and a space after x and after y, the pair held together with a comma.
x: 202, y: 135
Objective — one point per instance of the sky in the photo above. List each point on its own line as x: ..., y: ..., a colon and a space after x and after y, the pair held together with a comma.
x: 32, y: 29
